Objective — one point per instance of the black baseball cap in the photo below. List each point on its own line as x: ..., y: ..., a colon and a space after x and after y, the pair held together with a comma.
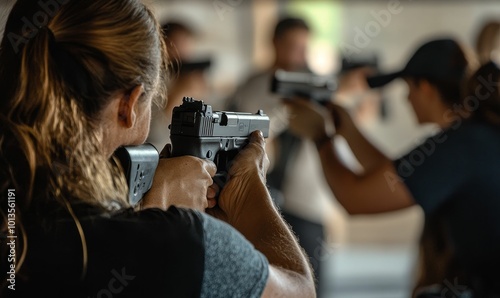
x: 441, y: 59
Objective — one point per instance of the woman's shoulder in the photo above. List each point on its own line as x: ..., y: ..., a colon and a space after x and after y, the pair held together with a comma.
x: 103, y: 228
x: 152, y: 220
x: 154, y: 247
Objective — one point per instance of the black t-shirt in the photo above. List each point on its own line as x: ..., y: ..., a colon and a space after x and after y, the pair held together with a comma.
x: 150, y: 253
x: 456, y: 175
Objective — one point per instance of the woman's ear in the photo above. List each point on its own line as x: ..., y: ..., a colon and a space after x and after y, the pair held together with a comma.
x: 127, y: 108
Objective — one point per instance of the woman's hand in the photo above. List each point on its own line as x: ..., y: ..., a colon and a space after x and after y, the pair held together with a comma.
x: 309, y: 120
x: 247, y: 180
x: 344, y: 123
x: 183, y: 182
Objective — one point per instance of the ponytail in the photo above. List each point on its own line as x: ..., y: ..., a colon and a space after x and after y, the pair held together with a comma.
x: 52, y: 131
x: 45, y: 142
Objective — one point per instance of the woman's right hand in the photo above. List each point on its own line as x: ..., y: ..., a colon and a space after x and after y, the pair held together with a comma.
x: 182, y: 181
x: 247, y: 180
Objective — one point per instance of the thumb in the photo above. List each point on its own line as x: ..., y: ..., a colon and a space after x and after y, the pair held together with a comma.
x: 258, y: 137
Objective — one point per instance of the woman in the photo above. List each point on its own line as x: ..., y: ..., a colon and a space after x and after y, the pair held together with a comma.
x: 453, y: 175
x: 78, y: 80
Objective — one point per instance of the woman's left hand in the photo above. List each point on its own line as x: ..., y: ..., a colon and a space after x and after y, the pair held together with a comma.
x: 184, y: 181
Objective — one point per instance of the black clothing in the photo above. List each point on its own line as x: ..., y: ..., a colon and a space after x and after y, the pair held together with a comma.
x: 130, y: 254
x: 150, y: 253
x: 455, y: 175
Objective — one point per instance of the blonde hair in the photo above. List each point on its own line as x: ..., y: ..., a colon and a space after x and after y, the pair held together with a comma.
x: 55, y: 81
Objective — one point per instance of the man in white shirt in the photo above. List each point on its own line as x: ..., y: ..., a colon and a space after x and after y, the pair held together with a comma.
x: 296, y: 177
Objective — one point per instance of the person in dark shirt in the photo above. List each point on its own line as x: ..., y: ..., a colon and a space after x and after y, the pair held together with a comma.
x: 78, y: 79
x: 453, y: 175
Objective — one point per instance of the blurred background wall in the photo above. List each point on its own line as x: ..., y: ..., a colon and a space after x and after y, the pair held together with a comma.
x: 369, y: 254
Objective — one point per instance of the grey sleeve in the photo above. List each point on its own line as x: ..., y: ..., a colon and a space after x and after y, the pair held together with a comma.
x: 233, y: 267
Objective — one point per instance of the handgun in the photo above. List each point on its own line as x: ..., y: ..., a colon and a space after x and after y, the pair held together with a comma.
x: 199, y: 131
x: 306, y: 85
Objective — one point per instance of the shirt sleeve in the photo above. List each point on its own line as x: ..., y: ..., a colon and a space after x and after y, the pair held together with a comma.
x: 233, y: 267
x: 435, y: 170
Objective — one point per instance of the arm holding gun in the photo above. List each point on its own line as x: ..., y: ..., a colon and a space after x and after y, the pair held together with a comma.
x: 319, y: 121
x: 203, y: 140
x: 235, y: 142
x: 153, y: 183
x: 230, y: 140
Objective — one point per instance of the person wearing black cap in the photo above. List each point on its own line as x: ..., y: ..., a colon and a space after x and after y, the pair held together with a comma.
x: 453, y: 175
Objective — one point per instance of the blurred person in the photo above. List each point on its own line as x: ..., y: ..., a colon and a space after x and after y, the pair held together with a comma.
x: 368, y: 110
x: 180, y: 39
x: 438, y: 262
x: 452, y: 175
x: 355, y: 94
x: 72, y: 93
x: 296, y: 181
x: 189, y: 78
x: 488, y: 42
x: 190, y: 72
x: 290, y: 41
